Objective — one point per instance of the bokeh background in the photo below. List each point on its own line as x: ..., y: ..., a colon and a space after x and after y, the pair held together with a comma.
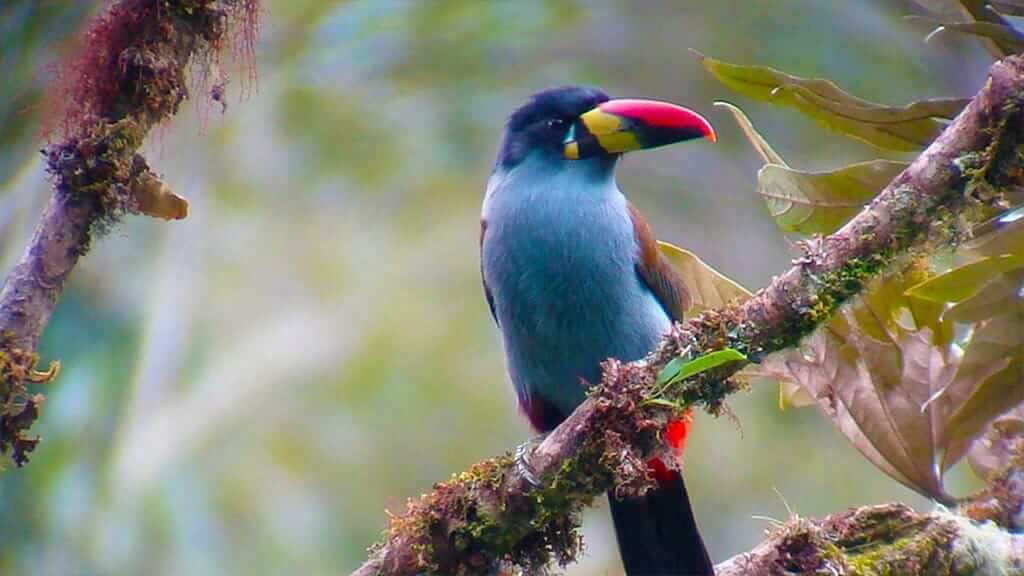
x: 249, y: 390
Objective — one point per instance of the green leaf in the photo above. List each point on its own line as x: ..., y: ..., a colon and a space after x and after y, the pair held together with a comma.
x: 670, y: 370
x: 904, y: 128
x: 882, y: 309
x: 965, y: 281
x: 873, y: 113
x: 821, y: 202
x: 996, y: 298
x: 663, y: 402
x: 813, y: 202
x: 680, y: 368
x: 1003, y: 234
x: 708, y: 287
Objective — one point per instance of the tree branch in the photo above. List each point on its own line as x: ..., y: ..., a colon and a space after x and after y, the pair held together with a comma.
x: 883, y: 539
x: 130, y: 76
x: 982, y: 537
x: 496, y: 513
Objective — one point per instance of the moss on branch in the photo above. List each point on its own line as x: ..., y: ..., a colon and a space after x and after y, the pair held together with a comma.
x: 884, y: 540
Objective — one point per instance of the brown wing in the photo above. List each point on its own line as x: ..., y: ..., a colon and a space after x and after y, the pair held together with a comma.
x: 655, y: 270
x: 487, y: 290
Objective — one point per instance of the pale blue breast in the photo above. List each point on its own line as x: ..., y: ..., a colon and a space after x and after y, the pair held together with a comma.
x: 559, y: 258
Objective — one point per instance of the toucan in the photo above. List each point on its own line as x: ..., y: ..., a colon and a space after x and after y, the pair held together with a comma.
x: 573, y: 275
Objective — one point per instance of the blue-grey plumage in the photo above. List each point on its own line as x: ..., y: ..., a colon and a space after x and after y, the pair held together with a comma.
x: 573, y: 276
x: 560, y: 258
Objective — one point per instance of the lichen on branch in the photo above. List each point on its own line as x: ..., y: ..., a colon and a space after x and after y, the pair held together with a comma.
x: 20, y: 408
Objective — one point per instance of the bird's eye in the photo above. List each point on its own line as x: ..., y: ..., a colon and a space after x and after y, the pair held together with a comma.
x: 556, y: 123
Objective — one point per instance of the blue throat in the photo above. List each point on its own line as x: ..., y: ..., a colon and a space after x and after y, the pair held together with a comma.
x: 559, y: 258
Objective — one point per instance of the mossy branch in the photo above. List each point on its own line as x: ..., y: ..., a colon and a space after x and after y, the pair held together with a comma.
x: 981, y: 537
x: 524, y: 511
x: 883, y: 540
x: 131, y: 74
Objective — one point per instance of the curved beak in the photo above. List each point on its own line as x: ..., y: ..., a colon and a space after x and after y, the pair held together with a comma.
x: 622, y: 125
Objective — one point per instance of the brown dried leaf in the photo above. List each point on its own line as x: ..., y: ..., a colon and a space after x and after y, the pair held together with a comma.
x: 888, y: 401
x: 876, y: 369
x: 153, y: 198
x: 1004, y: 36
x: 814, y: 365
x: 995, y: 395
x: 791, y: 393
x: 977, y: 11
x: 989, y: 381
x: 825, y: 365
x: 882, y: 309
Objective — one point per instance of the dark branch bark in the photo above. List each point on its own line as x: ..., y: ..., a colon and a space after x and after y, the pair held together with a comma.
x: 494, y: 513
x: 130, y: 76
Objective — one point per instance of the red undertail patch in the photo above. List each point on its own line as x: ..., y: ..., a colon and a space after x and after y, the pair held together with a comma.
x: 675, y: 437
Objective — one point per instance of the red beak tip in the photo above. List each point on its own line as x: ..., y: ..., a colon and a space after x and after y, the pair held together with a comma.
x: 659, y: 113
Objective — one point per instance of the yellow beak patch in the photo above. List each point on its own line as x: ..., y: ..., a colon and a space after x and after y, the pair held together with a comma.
x: 610, y: 131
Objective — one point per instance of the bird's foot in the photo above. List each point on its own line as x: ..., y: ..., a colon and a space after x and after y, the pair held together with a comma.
x: 522, y: 462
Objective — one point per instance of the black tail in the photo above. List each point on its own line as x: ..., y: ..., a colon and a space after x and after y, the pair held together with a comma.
x: 657, y: 533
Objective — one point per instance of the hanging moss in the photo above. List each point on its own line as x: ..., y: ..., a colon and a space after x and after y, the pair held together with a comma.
x: 129, y: 73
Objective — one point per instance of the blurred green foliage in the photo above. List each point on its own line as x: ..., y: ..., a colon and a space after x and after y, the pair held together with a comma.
x: 29, y: 32
x: 248, y: 390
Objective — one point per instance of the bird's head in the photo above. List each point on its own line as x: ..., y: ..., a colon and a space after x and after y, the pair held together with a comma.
x: 576, y: 122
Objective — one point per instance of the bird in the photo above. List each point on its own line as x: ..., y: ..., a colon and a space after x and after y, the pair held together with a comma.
x: 573, y: 275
